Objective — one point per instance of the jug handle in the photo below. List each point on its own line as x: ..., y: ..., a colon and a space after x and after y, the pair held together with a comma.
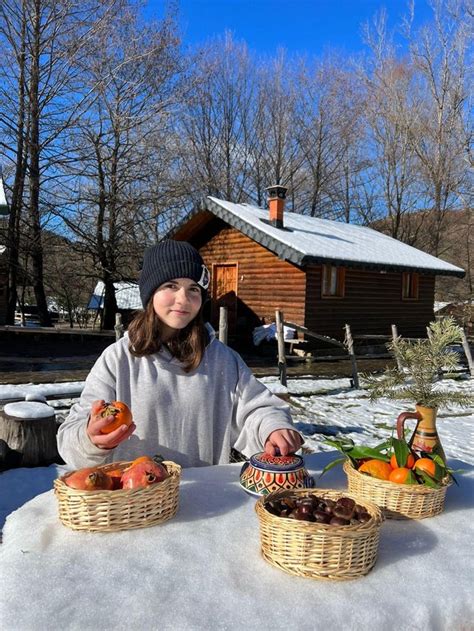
x: 401, y: 421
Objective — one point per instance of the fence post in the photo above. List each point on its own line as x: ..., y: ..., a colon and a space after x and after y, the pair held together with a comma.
x: 394, y: 337
x: 118, y: 326
x: 281, y: 347
x: 350, y: 348
x: 467, y: 351
x: 223, y: 325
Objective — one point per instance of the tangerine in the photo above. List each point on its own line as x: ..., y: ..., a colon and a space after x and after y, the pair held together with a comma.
x: 426, y: 465
x: 401, y: 475
x: 376, y: 468
x: 408, y: 464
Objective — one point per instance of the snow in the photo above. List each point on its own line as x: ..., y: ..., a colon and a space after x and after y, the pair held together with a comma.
x: 203, y: 569
x: 28, y: 410
x: 21, y: 391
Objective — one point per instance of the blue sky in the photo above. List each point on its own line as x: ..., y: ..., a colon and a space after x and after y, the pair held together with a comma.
x: 300, y: 26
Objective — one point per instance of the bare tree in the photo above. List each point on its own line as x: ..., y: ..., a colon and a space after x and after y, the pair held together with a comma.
x: 42, y: 39
x: 216, y: 122
x: 130, y: 72
x: 387, y: 115
x: 437, y: 118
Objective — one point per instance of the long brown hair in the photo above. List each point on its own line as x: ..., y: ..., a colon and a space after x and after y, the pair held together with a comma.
x: 145, y: 333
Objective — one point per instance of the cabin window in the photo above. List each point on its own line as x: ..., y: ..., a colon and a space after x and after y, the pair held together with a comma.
x: 410, y: 283
x: 333, y: 281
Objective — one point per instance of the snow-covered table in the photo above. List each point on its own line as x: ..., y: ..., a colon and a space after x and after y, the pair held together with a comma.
x: 203, y: 570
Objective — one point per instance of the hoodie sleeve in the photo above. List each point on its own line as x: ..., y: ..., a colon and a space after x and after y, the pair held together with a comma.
x: 74, y: 445
x: 257, y: 413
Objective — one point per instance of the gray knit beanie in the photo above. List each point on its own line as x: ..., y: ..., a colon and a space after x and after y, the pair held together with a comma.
x: 171, y: 259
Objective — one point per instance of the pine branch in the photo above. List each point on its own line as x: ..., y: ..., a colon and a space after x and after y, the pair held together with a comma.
x: 421, y: 363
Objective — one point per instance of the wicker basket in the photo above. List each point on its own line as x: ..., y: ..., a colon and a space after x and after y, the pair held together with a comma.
x: 123, y: 509
x: 397, y: 501
x: 314, y: 550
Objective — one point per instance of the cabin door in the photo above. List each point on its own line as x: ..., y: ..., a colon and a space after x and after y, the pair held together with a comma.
x: 224, y: 294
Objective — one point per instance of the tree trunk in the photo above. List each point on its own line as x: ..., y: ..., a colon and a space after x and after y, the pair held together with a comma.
x: 13, y: 238
x: 33, y: 442
x: 34, y: 149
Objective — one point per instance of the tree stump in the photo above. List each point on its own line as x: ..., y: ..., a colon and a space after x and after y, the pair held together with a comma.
x: 29, y: 429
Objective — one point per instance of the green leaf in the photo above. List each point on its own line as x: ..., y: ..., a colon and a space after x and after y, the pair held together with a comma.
x: 360, y: 452
x: 385, y: 445
x: 332, y: 464
x: 427, y: 480
x: 344, y: 445
x: 439, y: 461
x: 411, y: 478
x: 402, y: 451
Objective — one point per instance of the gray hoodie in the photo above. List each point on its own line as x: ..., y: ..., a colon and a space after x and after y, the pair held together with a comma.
x: 191, y: 418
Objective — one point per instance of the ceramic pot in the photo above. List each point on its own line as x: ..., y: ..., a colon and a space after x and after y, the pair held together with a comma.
x: 425, y: 437
x: 263, y: 474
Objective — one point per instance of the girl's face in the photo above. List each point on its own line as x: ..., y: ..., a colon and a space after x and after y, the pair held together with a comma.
x: 176, y: 303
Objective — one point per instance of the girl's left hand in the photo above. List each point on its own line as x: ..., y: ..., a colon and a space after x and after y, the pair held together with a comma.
x: 286, y: 441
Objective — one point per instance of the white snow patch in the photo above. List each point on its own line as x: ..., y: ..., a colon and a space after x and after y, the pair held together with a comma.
x: 29, y: 410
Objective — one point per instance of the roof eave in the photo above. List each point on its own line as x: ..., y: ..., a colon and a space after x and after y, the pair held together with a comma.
x: 307, y: 260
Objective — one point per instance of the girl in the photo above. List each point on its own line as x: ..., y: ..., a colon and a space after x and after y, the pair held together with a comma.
x: 192, y: 397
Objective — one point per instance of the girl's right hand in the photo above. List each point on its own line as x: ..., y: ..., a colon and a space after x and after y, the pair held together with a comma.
x: 97, y: 422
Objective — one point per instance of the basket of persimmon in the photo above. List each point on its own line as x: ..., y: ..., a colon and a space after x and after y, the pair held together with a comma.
x: 404, y: 484
x: 119, y: 495
x: 322, y: 534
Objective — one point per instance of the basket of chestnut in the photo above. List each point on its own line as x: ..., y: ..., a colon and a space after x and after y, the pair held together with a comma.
x: 323, y: 534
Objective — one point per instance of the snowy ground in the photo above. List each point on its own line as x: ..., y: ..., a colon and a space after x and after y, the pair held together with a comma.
x: 321, y: 408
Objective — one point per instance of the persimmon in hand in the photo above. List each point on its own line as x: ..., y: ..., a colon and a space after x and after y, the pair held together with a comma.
x: 121, y: 413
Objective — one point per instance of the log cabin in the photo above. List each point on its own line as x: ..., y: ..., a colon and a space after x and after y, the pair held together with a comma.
x: 320, y: 273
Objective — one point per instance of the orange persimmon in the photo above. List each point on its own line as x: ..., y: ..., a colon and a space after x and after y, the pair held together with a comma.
x: 121, y: 413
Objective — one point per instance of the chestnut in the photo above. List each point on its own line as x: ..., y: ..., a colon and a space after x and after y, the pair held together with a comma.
x: 364, y: 517
x: 321, y: 517
x: 288, y: 502
x: 346, y: 503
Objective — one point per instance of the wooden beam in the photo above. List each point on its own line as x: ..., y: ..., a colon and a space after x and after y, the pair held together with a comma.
x: 324, y: 338
x: 350, y: 348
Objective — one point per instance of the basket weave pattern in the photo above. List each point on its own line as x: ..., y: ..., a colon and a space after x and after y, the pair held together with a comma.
x: 397, y: 501
x: 321, y: 551
x: 123, y: 509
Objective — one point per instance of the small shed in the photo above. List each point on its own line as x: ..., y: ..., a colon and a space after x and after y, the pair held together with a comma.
x: 322, y: 274
x: 126, y: 295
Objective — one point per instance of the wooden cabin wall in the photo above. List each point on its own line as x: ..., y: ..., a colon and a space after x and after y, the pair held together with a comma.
x: 371, y: 304
x: 265, y: 283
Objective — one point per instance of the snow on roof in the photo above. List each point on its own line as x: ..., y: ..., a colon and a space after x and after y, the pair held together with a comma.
x: 440, y: 305
x: 2, y: 248
x: 307, y: 239
x: 126, y: 294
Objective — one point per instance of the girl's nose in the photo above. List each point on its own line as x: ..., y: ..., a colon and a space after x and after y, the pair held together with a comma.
x: 181, y: 295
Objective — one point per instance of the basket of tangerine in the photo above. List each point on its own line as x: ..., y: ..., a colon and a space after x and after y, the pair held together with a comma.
x: 404, y: 484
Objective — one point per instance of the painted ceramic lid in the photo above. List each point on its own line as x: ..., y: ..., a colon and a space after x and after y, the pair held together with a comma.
x: 276, y: 463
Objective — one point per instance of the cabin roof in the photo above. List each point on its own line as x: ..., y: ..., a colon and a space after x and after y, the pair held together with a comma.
x: 126, y: 294
x: 304, y: 240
